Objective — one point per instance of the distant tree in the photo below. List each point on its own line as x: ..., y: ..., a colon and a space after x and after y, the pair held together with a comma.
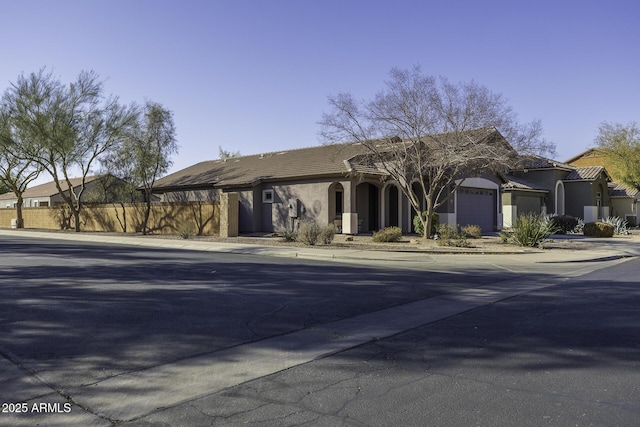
x: 621, y: 146
x: 145, y: 152
x: 224, y: 154
x: 427, y: 130
x: 64, y: 128
x: 15, y: 173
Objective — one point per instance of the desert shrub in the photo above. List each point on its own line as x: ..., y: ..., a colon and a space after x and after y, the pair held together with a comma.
x: 327, y: 233
x: 389, y: 234
x: 529, y: 230
x: 598, y: 229
x: 186, y: 230
x: 619, y: 224
x: 471, y: 231
x: 289, y: 235
x: 564, y: 223
x: 308, y: 233
x: 417, y: 224
x: 448, y: 235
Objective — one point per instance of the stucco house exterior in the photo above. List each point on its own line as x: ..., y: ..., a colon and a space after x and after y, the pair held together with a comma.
x: 625, y: 199
x: 542, y: 185
x: 327, y: 184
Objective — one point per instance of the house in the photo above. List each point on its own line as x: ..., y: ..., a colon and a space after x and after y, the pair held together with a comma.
x: 624, y: 198
x: 546, y: 186
x: 327, y: 184
x: 96, y: 189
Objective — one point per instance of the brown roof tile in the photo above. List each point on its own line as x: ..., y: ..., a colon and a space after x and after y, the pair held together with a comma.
x: 585, y: 173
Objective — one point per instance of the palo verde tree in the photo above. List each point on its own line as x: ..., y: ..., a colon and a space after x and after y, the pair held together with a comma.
x: 145, y: 152
x: 621, y: 147
x: 15, y: 173
x: 63, y: 128
x: 426, y: 130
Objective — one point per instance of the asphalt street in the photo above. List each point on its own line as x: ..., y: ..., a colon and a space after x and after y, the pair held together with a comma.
x: 136, y: 335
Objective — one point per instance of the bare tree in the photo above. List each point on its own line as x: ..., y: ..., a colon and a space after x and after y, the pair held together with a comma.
x: 145, y: 153
x: 426, y: 130
x: 15, y: 173
x: 621, y: 146
x: 64, y: 128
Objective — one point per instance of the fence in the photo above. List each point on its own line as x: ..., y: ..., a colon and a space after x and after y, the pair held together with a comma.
x: 195, y: 218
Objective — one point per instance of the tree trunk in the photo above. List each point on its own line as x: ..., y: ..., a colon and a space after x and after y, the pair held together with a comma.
x: 19, y: 219
x: 76, y: 218
x: 428, y: 220
x: 147, y: 212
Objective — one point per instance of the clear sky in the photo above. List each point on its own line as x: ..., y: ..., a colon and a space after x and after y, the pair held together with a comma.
x: 254, y: 76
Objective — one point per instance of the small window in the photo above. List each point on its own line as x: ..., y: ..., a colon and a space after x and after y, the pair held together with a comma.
x: 267, y: 196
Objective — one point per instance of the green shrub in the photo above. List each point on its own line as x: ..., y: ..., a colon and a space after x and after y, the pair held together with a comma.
x: 471, y: 231
x: 389, y: 234
x: 598, y: 229
x: 419, y: 228
x: 529, y: 230
x: 564, y: 223
x: 327, y: 233
x: 308, y: 233
x: 448, y: 235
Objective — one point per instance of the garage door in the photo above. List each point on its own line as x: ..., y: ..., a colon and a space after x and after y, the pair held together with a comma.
x: 476, y: 206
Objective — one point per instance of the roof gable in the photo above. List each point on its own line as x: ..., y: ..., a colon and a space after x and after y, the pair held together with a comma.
x: 587, y: 173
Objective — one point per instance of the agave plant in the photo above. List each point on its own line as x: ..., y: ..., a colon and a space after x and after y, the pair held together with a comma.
x: 619, y: 224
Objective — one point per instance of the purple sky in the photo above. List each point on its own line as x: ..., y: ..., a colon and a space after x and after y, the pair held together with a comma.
x: 253, y: 76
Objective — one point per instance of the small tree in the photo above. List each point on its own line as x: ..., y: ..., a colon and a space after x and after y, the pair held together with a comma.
x: 427, y: 130
x: 145, y: 152
x: 621, y: 146
x: 15, y: 173
x: 63, y: 128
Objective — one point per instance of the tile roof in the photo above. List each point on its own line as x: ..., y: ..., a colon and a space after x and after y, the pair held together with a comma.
x: 246, y: 170
x: 323, y: 160
x: 622, y: 190
x: 515, y: 182
x: 47, y: 189
x: 531, y: 161
x: 585, y: 173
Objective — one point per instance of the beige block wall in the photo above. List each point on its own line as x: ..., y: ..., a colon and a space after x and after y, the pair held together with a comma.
x: 198, y: 218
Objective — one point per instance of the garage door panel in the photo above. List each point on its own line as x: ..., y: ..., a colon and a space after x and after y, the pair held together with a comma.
x: 476, y: 206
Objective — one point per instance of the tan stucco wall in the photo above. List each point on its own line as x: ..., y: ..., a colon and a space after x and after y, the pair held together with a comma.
x: 166, y: 218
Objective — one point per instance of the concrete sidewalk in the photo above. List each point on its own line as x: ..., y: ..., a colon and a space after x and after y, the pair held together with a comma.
x: 607, y: 248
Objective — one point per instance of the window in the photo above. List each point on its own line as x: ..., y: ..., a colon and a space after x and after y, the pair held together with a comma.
x: 267, y: 196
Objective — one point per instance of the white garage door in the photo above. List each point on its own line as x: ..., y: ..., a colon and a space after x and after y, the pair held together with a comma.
x: 476, y: 206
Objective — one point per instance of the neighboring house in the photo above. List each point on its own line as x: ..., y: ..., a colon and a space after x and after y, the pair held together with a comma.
x: 542, y: 185
x: 326, y: 184
x: 625, y: 202
x: 47, y: 194
x: 624, y: 198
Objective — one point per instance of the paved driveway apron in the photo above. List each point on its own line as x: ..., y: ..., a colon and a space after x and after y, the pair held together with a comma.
x: 103, y: 333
